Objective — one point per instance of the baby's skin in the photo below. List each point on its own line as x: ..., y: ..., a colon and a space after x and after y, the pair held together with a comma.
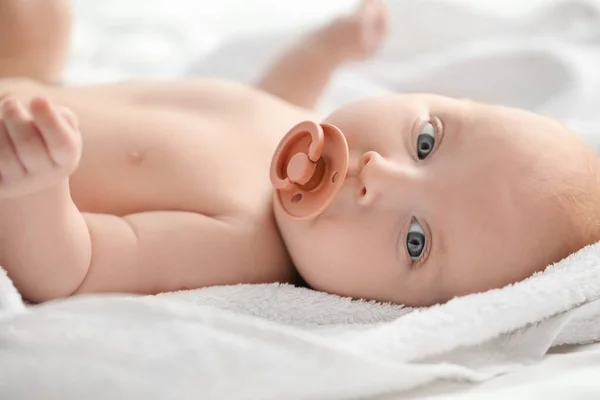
x: 446, y: 197
x: 35, y: 38
x: 145, y: 187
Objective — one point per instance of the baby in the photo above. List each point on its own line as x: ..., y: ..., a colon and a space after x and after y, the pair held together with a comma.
x: 146, y: 187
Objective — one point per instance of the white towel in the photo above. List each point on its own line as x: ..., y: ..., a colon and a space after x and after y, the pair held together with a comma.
x: 277, y: 341
x: 10, y: 299
x: 542, y: 304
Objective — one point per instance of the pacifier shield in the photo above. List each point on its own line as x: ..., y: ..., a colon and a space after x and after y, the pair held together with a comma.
x: 309, y: 168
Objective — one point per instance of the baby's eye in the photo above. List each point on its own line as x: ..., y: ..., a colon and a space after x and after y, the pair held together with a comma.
x: 415, y: 240
x: 425, y: 141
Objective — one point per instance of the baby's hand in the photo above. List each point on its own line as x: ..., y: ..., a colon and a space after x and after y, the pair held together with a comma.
x: 39, y: 147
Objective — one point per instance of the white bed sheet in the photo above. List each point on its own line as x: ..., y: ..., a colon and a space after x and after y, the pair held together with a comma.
x: 117, y: 39
x: 570, y: 372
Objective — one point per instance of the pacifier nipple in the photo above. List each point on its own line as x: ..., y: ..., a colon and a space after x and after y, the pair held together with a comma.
x: 308, y: 169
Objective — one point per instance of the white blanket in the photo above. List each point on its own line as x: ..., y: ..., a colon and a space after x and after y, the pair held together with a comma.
x: 277, y: 341
x: 301, y: 344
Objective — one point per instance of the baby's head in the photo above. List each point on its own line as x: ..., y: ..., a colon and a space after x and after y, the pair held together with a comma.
x: 444, y: 198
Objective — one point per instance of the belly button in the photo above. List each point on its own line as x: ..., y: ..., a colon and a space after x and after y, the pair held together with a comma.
x: 136, y: 157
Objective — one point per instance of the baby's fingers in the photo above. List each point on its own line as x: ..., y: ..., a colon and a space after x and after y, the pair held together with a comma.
x: 10, y: 165
x: 58, y: 130
x: 28, y: 144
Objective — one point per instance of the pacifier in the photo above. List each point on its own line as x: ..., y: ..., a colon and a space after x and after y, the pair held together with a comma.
x: 309, y: 168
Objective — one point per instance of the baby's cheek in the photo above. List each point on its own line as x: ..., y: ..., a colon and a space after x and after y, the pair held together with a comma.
x: 320, y: 264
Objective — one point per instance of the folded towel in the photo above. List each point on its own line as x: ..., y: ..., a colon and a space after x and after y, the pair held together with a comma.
x: 10, y: 299
x: 276, y: 341
x: 543, y: 303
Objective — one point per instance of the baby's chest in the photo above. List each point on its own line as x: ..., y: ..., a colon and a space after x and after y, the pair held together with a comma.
x: 157, y: 160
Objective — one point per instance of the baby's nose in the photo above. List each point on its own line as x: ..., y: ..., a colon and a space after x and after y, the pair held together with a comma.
x: 383, y: 180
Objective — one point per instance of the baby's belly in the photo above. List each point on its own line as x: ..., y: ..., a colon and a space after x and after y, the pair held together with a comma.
x: 143, y: 159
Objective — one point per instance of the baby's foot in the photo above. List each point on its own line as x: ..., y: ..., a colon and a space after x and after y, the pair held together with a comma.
x: 39, y: 147
x: 357, y: 36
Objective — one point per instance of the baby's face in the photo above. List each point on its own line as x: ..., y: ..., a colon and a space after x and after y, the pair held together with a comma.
x: 443, y: 198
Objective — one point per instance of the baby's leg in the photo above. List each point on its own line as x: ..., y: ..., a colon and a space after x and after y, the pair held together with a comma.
x: 34, y: 38
x: 302, y: 73
x: 44, y: 241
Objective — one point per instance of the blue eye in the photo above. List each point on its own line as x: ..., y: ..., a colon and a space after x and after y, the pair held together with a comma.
x: 425, y: 141
x: 415, y: 240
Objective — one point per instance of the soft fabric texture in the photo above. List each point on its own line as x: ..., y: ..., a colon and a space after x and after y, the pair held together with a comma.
x: 273, y: 341
x: 528, y: 340
x: 10, y: 299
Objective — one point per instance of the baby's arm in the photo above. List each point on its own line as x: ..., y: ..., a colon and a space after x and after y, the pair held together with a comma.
x: 52, y: 250
x: 162, y: 251
x: 44, y: 244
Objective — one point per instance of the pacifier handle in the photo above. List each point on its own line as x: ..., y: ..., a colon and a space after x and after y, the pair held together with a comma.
x: 300, y: 167
x: 308, y: 168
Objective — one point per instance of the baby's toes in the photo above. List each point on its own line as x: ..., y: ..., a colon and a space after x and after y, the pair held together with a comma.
x: 381, y: 19
x: 374, y: 20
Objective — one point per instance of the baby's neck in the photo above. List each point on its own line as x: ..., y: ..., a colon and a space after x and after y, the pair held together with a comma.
x: 281, y: 250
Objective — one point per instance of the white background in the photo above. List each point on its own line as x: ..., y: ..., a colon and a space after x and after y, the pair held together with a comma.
x: 116, y: 39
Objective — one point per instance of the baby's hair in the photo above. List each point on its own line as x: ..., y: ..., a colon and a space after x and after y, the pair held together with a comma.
x: 569, y: 190
x: 584, y: 204
x: 578, y: 197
